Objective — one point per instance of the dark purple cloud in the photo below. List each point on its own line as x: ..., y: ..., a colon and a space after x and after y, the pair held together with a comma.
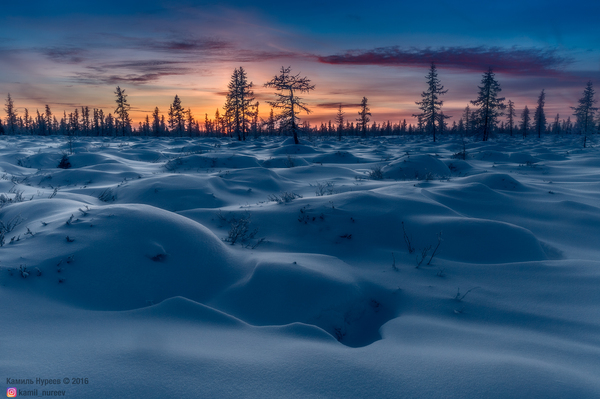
x: 515, y: 60
x: 176, y: 44
x: 111, y: 79
x: 132, y: 72
x: 64, y: 55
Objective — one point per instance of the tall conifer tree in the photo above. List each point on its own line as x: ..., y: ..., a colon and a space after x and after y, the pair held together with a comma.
x: 490, y: 105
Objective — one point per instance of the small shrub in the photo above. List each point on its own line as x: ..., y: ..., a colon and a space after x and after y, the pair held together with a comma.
x: 239, y: 229
x: 6, y: 228
x: 326, y: 188
x: 407, y: 240
x: 64, y: 162
x: 376, y: 173
x: 459, y: 298
x: 107, y: 195
x: 284, y: 198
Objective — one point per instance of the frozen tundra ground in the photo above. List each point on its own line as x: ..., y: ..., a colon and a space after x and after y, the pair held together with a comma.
x: 379, y: 268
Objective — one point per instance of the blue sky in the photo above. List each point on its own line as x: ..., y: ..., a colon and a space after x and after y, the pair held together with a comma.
x: 68, y: 54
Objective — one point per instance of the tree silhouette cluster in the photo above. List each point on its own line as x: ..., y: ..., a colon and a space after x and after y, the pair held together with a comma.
x: 239, y: 115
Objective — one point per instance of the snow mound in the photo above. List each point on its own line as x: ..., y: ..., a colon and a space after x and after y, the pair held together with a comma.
x: 207, y: 161
x: 123, y: 257
x: 284, y: 162
x: 496, y: 181
x: 294, y: 149
x: 174, y: 192
x: 253, y: 179
x: 336, y: 157
x: 180, y: 308
x: 458, y: 166
x: 416, y: 167
x: 310, y: 291
x: 492, y: 156
x: 41, y: 161
x: 290, y: 141
x: 87, y: 159
x: 523, y: 158
x: 481, y: 241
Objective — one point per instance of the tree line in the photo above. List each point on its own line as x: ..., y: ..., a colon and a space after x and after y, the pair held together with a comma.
x: 239, y: 115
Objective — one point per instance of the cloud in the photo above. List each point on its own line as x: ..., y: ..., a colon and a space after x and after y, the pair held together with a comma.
x: 185, y: 46
x: 515, y: 60
x: 95, y: 79
x: 64, y: 55
x: 132, y: 72
x: 177, y: 44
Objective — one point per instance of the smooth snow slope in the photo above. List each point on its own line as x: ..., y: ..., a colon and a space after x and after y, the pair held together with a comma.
x: 121, y: 269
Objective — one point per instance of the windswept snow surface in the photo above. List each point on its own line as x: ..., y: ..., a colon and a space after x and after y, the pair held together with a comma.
x: 210, y: 268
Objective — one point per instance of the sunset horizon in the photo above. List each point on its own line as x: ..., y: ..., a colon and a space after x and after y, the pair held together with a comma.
x: 156, y: 50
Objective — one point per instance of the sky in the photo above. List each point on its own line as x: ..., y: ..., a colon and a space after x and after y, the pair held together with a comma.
x: 70, y: 54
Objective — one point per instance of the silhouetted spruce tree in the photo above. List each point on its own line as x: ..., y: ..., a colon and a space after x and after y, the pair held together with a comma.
x: 110, y: 125
x: 232, y: 104
x: 540, y: 116
x: 48, y: 119
x: 374, y: 129
x: 163, y: 125
x: 270, y: 123
x: 239, y: 103
x: 567, y: 126
x: 190, y: 121
x: 11, y: 115
x: 460, y: 128
x: 420, y: 124
x: 39, y: 124
x: 85, y: 120
x: 123, y: 121
x: 490, y: 105
x: 585, y: 112
x: 339, y: 119
x: 218, y: 125
x: 403, y: 127
x: 95, y: 122
x: 431, y: 105
x: 525, y: 121
x: 74, y: 122
x: 363, y: 117
x: 511, y: 116
x: 177, y: 117
x: 171, y: 119
x: 146, y: 127
x: 27, y: 121
x: 556, y: 125
x: 247, y: 106
x: 156, y: 131
x: 257, y: 126
x: 102, y: 122
x: 55, y: 124
x: 208, y: 126
x: 64, y: 124
x: 468, y: 118
x: 288, y: 102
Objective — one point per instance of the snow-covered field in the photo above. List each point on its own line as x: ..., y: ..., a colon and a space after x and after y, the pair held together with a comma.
x: 121, y: 269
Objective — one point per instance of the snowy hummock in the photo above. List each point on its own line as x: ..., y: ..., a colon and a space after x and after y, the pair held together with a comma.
x: 125, y: 268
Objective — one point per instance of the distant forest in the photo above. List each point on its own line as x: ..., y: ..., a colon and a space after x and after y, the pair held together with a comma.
x: 487, y: 115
